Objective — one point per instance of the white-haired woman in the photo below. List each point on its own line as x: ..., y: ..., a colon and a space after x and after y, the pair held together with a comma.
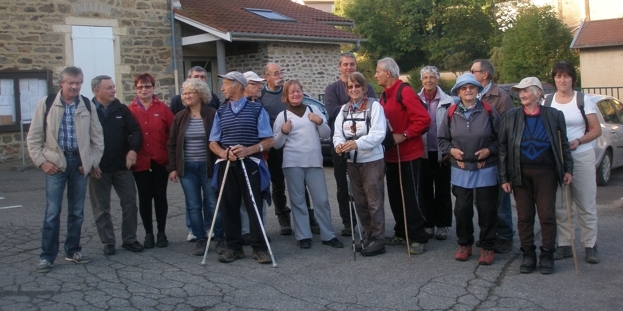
x: 191, y: 162
x: 435, y: 172
x: 534, y: 158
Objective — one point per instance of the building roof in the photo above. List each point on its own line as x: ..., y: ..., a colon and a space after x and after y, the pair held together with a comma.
x: 230, y: 20
x: 599, y: 33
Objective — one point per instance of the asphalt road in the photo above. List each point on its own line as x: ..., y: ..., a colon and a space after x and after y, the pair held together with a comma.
x: 321, y: 278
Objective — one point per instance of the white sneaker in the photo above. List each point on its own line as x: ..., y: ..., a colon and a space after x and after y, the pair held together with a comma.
x: 191, y: 237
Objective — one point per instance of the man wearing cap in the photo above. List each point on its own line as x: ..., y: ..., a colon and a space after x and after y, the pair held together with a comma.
x: 335, y: 96
x: 176, y: 105
x: 493, y: 95
x: 271, y: 99
x: 240, y: 133
x: 531, y: 140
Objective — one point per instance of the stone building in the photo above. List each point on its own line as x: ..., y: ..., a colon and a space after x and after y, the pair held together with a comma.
x: 122, y: 38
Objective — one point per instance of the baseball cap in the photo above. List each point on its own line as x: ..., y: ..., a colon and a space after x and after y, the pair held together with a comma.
x: 235, y: 76
x: 252, y: 76
x: 526, y: 82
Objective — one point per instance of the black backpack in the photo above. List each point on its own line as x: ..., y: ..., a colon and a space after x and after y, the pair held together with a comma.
x: 399, y: 100
x: 48, y: 104
x: 579, y: 99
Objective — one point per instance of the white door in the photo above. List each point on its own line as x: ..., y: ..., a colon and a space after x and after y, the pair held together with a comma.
x: 93, y: 49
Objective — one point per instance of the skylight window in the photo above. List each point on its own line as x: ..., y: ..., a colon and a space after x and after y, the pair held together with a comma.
x: 270, y: 14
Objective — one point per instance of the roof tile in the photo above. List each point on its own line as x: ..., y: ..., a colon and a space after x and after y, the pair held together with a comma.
x: 599, y: 33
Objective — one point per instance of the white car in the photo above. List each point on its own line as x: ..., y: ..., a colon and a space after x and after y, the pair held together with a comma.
x: 609, y: 146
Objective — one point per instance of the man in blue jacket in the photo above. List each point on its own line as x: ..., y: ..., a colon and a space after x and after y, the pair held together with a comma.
x: 122, y: 140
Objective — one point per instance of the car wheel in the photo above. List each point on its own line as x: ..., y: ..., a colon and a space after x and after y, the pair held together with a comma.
x: 603, y: 170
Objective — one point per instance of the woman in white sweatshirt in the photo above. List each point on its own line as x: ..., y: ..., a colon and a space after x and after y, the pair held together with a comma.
x: 359, y: 131
x: 296, y: 130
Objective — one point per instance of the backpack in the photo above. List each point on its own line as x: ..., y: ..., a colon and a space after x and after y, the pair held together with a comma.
x: 48, y: 104
x: 580, y: 103
x: 399, y: 100
x: 487, y: 107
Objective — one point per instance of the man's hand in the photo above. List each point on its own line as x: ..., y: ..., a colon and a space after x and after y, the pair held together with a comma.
x: 173, y: 176
x: 314, y: 118
x: 49, y: 168
x: 567, y: 179
x: 506, y: 187
x: 287, y: 127
x: 398, y: 138
x: 130, y: 159
x: 95, y: 173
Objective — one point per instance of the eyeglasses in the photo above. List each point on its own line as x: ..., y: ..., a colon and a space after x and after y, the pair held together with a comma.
x: 276, y: 74
x: 351, y: 86
x: 189, y: 93
x: 467, y: 87
x: 144, y: 87
x: 294, y: 92
x: 475, y: 71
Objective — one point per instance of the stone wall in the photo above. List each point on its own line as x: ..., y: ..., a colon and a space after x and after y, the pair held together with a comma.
x: 314, y: 65
x: 36, y: 34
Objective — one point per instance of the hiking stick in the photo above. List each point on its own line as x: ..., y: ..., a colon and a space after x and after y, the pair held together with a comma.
x: 218, y: 203
x: 564, y: 193
x: 404, y: 207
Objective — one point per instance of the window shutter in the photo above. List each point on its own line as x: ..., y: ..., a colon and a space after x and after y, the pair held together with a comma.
x: 93, y: 49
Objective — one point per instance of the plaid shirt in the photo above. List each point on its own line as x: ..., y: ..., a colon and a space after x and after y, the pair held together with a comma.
x: 67, y: 132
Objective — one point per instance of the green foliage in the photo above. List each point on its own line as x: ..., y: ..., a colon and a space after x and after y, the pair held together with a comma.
x: 413, y: 77
x: 535, y: 42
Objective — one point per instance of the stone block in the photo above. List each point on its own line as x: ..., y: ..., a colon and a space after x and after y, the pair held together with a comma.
x: 48, y: 8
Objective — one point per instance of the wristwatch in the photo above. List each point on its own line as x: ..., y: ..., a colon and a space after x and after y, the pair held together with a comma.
x: 404, y: 134
x: 261, y: 148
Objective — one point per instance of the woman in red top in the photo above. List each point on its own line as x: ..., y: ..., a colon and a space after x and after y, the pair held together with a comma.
x: 155, y: 118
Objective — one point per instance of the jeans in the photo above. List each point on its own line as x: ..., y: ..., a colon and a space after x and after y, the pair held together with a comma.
x: 200, y: 206
x: 505, y: 216
x: 76, y: 191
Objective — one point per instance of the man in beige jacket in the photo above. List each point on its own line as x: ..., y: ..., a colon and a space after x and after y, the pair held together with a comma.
x: 66, y: 141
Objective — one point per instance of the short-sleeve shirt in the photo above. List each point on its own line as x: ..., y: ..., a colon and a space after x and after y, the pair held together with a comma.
x: 573, y: 118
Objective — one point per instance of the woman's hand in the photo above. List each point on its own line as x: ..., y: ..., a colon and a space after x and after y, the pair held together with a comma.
x: 506, y: 187
x: 173, y: 176
x: 338, y: 149
x: 567, y: 179
x: 456, y: 153
x: 483, y: 153
x: 349, y: 146
x: 314, y: 118
x: 287, y: 127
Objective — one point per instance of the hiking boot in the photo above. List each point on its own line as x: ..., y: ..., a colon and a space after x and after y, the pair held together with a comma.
x: 162, y: 240
x: 79, y: 257
x: 430, y: 232
x: 442, y: 233
x: 528, y: 264
x: 230, y: 255
x: 109, y: 250
x: 286, y: 226
x: 417, y: 248
x: 44, y: 266
x: 563, y: 252
x: 334, y: 243
x: 191, y: 237
x: 373, y: 248
x: 200, y: 248
x: 347, y: 231
x: 262, y: 256
x: 463, y: 253
x: 395, y: 240
x: 503, y: 246
x: 363, y: 244
x: 304, y: 243
x: 246, y: 239
x: 546, y: 261
x: 486, y: 257
x: 591, y: 254
x: 133, y: 247
x: 313, y: 224
x: 149, y: 241
x: 221, y: 246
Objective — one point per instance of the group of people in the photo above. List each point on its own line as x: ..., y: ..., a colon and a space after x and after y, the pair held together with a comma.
x: 474, y: 144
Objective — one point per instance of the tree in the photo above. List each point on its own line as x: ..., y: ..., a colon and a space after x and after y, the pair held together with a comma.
x: 535, y: 42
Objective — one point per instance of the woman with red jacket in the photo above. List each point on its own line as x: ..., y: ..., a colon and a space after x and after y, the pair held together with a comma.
x: 150, y: 173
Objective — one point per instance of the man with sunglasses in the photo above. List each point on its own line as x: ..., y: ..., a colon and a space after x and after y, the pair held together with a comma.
x: 271, y: 99
x: 335, y: 95
x: 493, y: 95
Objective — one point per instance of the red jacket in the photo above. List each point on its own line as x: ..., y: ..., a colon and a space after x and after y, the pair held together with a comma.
x: 413, y: 121
x: 155, y: 125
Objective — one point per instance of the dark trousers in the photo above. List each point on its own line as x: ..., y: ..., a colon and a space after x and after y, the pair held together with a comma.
x: 237, y: 191
x: 410, y: 184
x: 487, y: 207
x: 536, y: 196
x: 435, y: 191
x: 339, y: 172
x: 152, y: 185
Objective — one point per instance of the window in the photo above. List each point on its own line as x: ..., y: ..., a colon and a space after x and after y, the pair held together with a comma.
x: 93, y: 49
x: 607, y: 111
x: 20, y: 91
x: 270, y: 14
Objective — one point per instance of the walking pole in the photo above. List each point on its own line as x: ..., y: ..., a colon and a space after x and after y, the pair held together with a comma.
x: 404, y: 208
x: 564, y: 193
x: 257, y: 212
x: 350, y: 211
x: 218, y: 203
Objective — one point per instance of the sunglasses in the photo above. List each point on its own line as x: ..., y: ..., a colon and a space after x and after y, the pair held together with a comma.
x: 350, y: 87
x: 467, y: 88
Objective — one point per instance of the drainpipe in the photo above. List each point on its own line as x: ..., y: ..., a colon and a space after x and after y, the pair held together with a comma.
x: 173, y: 41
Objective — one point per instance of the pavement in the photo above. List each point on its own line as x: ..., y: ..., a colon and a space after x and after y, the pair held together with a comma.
x: 320, y: 278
